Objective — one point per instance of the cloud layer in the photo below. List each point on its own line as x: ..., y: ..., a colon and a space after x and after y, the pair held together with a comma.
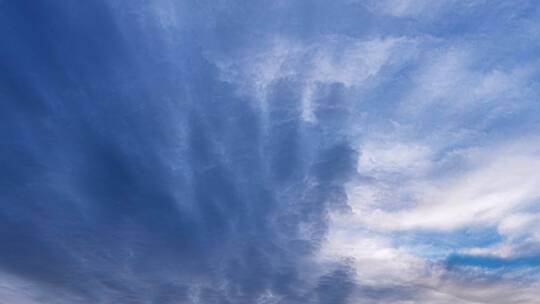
x: 286, y: 152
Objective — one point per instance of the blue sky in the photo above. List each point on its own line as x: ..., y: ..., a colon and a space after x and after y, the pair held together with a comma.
x: 269, y: 152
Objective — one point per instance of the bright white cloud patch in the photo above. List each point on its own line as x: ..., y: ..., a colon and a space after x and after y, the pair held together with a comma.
x: 501, y: 181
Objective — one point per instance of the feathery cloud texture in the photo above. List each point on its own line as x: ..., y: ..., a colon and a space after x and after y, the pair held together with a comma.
x: 269, y: 152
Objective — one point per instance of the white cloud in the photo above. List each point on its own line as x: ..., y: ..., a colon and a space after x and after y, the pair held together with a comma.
x: 521, y: 237
x: 17, y: 290
x: 393, y: 158
x: 380, y: 264
x: 413, y: 178
x: 503, y: 179
x: 342, y: 60
x: 491, y: 188
x: 375, y: 254
x: 452, y: 79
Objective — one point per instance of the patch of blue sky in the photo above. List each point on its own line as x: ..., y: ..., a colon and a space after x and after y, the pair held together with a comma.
x: 458, y: 260
x: 437, y: 246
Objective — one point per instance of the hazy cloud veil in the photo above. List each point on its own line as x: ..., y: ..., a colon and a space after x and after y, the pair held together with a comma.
x: 269, y: 151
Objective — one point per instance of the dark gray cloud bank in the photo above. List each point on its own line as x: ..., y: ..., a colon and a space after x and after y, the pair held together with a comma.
x: 200, y: 151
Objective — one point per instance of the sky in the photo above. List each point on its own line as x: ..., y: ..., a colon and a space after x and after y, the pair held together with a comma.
x: 269, y: 152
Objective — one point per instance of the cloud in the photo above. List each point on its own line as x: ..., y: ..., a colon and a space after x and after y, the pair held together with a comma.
x: 291, y: 152
x: 394, y: 158
x: 407, y: 8
x: 448, y: 80
x: 134, y: 176
x: 503, y: 179
x: 329, y: 61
